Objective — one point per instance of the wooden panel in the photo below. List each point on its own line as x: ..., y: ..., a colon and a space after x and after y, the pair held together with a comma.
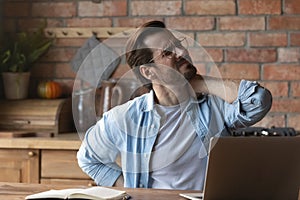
x: 60, y: 164
x: 100, y: 32
x: 37, y: 115
x: 19, y: 165
x: 52, y: 181
x: 10, y: 175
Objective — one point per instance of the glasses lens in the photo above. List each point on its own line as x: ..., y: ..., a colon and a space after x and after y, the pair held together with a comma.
x: 170, y: 48
x: 183, y: 43
x: 180, y: 43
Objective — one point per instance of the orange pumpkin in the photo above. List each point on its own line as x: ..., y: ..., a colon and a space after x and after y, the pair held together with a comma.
x: 49, y: 90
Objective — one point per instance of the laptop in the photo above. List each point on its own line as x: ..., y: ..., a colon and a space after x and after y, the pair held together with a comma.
x: 252, y: 168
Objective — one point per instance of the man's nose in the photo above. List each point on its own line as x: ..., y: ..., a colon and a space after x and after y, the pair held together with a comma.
x: 180, y: 52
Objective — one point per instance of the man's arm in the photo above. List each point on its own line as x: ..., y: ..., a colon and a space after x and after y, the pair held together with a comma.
x: 119, y: 182
x: 225, y: 89
x: 102, y: 174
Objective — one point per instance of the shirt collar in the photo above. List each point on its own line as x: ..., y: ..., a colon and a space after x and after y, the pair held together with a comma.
x: 149, y: 102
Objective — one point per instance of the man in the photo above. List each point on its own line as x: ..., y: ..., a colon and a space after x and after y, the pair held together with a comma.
x: 162, y: 137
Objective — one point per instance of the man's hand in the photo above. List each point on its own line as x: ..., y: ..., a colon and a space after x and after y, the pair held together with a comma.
x: 225, y: 89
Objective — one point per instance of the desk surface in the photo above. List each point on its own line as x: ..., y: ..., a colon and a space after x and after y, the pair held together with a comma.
x: 18, y: 191
x: 70, y: 141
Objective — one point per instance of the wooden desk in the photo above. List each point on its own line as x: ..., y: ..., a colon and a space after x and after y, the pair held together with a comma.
x: 18, y: 191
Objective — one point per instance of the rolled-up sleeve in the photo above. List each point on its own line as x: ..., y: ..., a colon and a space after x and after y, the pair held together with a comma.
x: 252, y: 104
x: 97, y: 156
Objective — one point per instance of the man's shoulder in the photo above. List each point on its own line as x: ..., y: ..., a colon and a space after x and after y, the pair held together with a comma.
x: 138, y: 104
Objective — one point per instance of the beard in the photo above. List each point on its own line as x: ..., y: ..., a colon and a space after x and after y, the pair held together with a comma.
x: 186, y: 68
x: 190, y: 73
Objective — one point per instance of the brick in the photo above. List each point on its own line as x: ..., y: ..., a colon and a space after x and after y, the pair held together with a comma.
x: 277, y: 120
x: 237, y: 71
x: 277, y: 88
x: 284, y: 23
x: 259, y: 7
x: 89, y: 22
x: 16, y: 9
x: 199, y: 54
x: 29, y: 23
x: 190, y: 23
x: 69, y: 42
x: 67, y: 86
x: 121, y: 70
x: 54, y: 9
x: 9, y: 25
x: 144, y: 8
x: 295, y: 89
x: 215, y: 54
x: 133, y: 21
x: 289, y: 54
x: 241, y: 23
x: 291, y: 7
x: 42, y: 70
x: 59, y: 55
x: 286, y: 105
x: 295, y: 39
x: 201, y: 68
x: 210, y: 7
x: 105, y: 8
x: 267, y: 39
x: 51, y: 22
x: 251, y: 55
x: 281, y: 72
x: 115, y: 42
x: 221, y: 39
x: 63, y: 70
x: 293, y: 121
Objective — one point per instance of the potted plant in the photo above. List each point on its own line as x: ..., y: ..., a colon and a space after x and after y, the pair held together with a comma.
x: 17, y: 56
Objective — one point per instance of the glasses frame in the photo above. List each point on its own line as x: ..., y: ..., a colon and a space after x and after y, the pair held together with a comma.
x: 170, y: 49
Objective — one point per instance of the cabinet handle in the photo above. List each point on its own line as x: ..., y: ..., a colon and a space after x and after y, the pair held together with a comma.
x: 31, y: 154
x: 92, y: 184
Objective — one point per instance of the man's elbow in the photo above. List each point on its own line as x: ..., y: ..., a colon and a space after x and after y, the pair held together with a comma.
x: 262, y: 103
x: 266, y: 100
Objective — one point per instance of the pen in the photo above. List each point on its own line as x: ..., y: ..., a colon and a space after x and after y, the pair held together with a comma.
x: 126, y: 197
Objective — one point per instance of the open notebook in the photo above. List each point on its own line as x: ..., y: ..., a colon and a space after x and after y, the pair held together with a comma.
x: 252, y: 168
x: 92, y: 193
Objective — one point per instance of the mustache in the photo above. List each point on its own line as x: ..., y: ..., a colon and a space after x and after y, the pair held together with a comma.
x: 184, y: 60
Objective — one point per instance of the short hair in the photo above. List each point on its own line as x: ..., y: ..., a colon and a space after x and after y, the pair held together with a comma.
x: 137, y: 54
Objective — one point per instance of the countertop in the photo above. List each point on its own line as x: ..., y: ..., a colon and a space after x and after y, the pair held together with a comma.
x: 66, y: 141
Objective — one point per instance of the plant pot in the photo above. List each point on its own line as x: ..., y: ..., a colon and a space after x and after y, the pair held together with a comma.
x: 16, y: 85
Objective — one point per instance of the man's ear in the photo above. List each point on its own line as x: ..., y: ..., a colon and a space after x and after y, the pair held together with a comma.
x: 147, y: 72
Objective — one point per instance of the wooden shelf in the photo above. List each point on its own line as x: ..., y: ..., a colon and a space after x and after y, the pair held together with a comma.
x: 101, y: 32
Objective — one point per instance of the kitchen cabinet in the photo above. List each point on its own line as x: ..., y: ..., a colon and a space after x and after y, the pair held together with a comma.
x: 60, y: 166
x: 18, y: 165
x: 42, y: 160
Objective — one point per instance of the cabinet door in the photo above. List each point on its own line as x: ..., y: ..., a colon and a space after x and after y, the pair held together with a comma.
x: 19, y: 165
x: 61, y: 164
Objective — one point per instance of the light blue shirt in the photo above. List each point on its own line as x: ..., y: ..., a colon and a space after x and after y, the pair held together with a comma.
x: 130, y: 131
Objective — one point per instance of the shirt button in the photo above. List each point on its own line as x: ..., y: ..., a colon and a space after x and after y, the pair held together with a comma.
x: 152, y: 126
x: 141, y: 185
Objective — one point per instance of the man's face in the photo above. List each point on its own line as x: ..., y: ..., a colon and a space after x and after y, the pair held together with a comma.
x: 171, y: 58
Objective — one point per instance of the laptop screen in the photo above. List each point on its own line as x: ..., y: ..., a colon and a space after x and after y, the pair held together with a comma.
x: 253, y: 168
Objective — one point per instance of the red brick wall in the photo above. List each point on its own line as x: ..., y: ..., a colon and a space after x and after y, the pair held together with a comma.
x: 250, y: 39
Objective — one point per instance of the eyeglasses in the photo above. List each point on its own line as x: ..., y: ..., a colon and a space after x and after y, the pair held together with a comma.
x: 170, y: 49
